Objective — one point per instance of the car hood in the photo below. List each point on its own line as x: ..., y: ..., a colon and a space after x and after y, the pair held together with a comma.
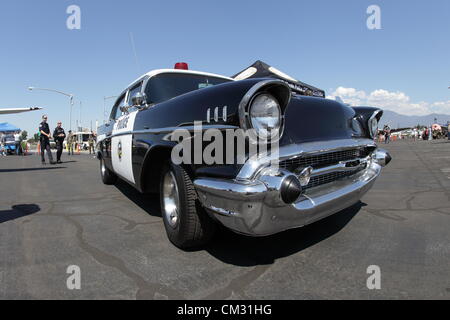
x: 309, y: 119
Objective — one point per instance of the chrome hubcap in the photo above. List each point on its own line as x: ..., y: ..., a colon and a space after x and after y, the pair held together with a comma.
x: 171, y: 199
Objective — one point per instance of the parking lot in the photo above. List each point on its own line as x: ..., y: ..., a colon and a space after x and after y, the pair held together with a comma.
x: 53, y: 217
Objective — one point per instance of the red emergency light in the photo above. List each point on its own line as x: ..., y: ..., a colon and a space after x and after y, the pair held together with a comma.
x: 181, y: 66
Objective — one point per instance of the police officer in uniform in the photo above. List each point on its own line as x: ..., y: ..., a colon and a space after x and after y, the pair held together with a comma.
x: 59, y: 135
x: 44, y: 130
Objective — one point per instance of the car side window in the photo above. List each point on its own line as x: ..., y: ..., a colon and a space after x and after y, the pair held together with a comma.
x: 116, y: 112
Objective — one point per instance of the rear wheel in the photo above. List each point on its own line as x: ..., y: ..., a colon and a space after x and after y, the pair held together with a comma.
x: 186, y: 222
x: 108, y: 177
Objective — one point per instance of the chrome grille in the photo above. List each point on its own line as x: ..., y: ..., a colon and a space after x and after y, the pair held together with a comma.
x: 328, y: 178
x: 323, y: 160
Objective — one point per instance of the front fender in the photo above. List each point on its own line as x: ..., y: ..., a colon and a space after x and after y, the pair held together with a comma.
x: 365, y: 114
x: 220, y: 102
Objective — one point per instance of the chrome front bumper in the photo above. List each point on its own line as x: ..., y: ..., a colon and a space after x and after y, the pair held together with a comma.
x: 255, y: 208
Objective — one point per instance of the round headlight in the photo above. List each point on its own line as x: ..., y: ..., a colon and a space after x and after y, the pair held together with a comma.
x: 373, y: 127
x: 265, y: 116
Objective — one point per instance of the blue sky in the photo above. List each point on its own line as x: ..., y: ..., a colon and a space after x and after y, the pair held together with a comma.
x: 403, y: 67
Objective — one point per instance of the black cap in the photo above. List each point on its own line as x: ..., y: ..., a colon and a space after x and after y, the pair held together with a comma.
x: 291, y: 189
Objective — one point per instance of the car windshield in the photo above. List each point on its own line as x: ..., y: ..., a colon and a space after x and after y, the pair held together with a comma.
x: 166, y: 86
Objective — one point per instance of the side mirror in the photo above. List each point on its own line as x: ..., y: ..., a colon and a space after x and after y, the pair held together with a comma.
x: 124, y: 108
x: 139, y: 99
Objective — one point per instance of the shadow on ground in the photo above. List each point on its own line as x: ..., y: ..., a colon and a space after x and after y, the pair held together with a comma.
x: 30, y: 169
x: 18, y: 212
x: 147, y: 202
x: 239, y: 250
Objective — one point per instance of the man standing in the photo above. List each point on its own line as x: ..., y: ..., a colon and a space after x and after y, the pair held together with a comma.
x: 70, y: 143
x: 17, y: 143
x: 91, y: 142
x: 44, y: 130
x: 59, y: 135
x: 387, y: 133
x: 426, y: 135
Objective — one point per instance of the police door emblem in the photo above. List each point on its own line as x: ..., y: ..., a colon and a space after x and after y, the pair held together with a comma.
x: 119, y: 150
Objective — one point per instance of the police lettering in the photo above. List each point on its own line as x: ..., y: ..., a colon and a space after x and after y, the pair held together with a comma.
x: 123, y: 123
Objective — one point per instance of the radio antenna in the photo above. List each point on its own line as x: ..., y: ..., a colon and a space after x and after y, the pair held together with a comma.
x: 133, y: 46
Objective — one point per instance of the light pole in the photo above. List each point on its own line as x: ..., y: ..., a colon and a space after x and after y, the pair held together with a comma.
x: 71, y: 97
x: 104, y: 106
x: 81, y: 125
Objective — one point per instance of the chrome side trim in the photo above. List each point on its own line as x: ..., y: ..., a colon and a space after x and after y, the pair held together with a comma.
x: 172, y: 129
x: 251, y: 169
x: 216, y: 114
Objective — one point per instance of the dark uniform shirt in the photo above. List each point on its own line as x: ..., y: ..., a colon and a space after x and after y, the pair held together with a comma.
x: 45, y: 128
x: 57, y: 132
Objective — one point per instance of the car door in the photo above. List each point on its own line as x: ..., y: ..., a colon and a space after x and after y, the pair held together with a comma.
x: 105, y: 137
x: 122, y: 139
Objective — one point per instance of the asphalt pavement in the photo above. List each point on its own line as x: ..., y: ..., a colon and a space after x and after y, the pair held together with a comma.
x: 53, y: 217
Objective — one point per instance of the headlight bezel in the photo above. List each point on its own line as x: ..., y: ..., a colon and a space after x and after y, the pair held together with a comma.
x: 373, y: 127
x: 274, y: 132
x: 373, y: 124
x: 278, y: 89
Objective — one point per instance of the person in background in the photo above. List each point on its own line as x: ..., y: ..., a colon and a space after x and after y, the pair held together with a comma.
x: 387, y: 133
x: 380, y: 136
x: 44, y: 130
x: 17, y: 143
x: 2, y: 145
x: 60, y: 135
x: 91, y: 142
x: 416, y: 134
x: 70, y: 143
x: 24, y: 147
x: 426, y: 134
x: 448, y: 133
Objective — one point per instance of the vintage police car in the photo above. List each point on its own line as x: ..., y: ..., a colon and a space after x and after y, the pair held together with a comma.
x: 327, y: 157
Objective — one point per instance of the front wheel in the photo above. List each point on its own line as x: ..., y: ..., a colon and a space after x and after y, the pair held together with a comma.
x: 108, y: 177
x: 186, y: 222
